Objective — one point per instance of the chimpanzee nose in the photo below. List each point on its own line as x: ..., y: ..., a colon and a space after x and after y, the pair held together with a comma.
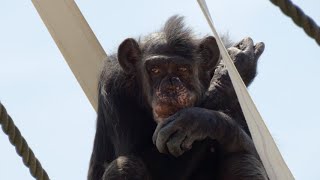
x: 175, y: 81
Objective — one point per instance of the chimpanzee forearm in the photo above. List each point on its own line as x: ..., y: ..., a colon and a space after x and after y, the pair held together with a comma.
x: 120, y: 134
x: 103, y: 151
x: 242, y: 166
x: 229, y: 134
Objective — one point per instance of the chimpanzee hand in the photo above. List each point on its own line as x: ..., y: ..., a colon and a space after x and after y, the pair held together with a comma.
x: 220, y: 94
x: 176, y: 134
x: 245, y: 55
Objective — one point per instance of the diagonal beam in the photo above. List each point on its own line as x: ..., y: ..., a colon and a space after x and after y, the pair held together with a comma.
x: 76, y: 41
x: 267, y: 149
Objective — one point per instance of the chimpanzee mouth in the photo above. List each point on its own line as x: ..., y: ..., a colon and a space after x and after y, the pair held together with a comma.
x: 168, y: 102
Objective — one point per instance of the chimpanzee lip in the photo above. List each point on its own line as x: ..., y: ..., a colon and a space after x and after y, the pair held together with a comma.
x: 162, y: 111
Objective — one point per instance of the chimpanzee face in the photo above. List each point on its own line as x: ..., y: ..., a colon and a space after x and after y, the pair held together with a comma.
x: 173, y: 84
x: 172, y: 75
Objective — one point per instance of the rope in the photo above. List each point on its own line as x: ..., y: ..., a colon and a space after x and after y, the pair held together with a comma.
x: 21, y: 146
x: 299, y: 17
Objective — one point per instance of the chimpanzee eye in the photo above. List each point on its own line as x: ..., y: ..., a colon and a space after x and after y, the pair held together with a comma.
x: 155, y: 70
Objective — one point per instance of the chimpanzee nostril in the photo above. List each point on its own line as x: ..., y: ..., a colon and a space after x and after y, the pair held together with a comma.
x: 175, y: 81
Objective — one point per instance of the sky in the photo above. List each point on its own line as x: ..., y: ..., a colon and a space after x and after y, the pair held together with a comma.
x: 46, y: 102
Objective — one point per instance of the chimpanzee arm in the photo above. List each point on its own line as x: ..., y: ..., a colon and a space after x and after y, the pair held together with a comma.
x: 110, y: 142
x: 103, y: 150
x: 221, y: 94
x: 177, y: 134
x: 123, y: 127
x: 239, y: 158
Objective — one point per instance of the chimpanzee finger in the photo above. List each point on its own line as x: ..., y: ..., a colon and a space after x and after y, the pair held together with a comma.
x: 187, y: 143
x: 163, y: 136
x: 258, y: 50
x: 174, y: 143
x: 248, y: 46
x: 159, y: 127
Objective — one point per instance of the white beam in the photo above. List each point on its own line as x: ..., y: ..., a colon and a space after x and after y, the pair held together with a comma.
x: 268, y: 151
x: 76, y: 41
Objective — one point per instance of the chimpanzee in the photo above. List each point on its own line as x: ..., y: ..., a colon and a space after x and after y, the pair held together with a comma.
x: 167, y: 110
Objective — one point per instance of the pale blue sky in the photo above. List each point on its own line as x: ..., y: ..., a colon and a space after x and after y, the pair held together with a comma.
x: 47, y: 104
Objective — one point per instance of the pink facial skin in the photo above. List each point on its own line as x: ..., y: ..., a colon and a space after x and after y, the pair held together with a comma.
x: 170, y: 101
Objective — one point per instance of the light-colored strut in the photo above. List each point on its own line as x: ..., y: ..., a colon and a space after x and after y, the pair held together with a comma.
x: 76, y: 41
x: 267, y: 149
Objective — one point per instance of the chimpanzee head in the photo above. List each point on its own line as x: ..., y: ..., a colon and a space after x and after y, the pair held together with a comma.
x: 173, y: 67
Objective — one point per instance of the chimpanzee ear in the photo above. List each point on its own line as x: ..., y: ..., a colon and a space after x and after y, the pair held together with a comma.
x: 129, y: 54
x: 209, y: 52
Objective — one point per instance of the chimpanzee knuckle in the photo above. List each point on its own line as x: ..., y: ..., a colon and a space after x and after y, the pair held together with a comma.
x: 246, y: 43
x: 161, y: 146
x: 174, y: 148
x: 187, y: 144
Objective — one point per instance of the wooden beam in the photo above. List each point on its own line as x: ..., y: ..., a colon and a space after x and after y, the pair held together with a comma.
x: 76, y: 41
